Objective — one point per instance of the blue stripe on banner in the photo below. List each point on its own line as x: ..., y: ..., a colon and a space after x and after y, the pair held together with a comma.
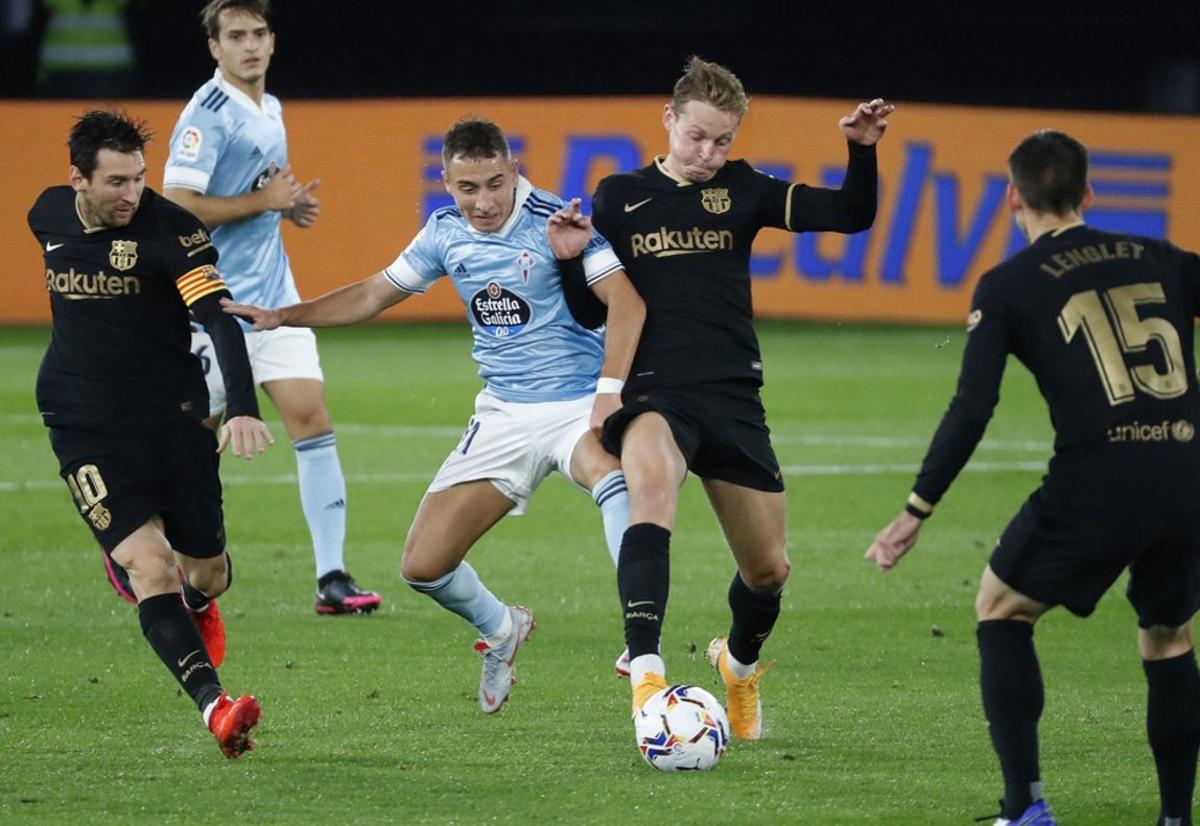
x: 1129, y: 160
x: 1136, y: 189
x: 314, y: 442
x: 432, y: 145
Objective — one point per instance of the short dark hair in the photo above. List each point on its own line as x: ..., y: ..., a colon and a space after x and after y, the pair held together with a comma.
x: 210, y: 15
x: 1050, y: 171
x: 98, y: 130
x: 474, y: 139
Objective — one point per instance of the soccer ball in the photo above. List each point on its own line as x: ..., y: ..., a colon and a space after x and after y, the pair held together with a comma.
x: 681, y: 728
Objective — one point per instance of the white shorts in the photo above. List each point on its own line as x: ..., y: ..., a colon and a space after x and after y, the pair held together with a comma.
x: 284, y: 353
x: 515, y: 445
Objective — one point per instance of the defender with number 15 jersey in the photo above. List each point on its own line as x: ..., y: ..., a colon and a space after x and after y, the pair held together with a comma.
x: 1106, y: 324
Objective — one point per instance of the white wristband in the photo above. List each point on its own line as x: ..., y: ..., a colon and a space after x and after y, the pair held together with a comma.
x: 609, y: 385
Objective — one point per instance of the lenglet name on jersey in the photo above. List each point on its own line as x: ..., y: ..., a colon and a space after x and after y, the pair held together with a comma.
x: 666, y: 242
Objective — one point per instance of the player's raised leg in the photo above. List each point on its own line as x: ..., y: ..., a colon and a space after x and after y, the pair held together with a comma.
x: 596, y: 469
x: 447, y: 525
x: 147, y: 557
x: 301, y: 405
x: 755, y: 526
x: 654, y: 470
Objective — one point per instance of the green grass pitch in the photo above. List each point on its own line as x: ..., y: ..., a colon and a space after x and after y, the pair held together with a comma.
x: 872, y: 713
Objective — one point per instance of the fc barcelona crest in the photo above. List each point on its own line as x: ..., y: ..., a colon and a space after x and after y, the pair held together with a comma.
x: 123, y: 255
x: 716, y: 201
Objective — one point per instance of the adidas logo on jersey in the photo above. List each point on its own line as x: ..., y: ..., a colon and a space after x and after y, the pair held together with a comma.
x: 460, y: 271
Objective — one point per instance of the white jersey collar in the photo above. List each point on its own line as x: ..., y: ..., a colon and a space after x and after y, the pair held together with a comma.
x: 524, y: 188
x: 236, y: 93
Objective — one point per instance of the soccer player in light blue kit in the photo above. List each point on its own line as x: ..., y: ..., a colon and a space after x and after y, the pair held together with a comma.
x: 228, y: 166
x: 549, y: 383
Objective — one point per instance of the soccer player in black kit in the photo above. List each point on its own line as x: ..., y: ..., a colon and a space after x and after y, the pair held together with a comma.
x: 123, y: 398
x: 1105, y: 322
x: 683, y: 227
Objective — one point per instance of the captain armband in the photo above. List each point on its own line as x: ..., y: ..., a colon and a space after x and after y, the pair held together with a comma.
x: 918, y: 507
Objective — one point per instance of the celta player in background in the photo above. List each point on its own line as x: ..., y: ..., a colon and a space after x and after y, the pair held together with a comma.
x: 229, y: 166
x: 683, y: 227
x: 123, y: 397
x: 549, y: 383
x: 1105, y: 322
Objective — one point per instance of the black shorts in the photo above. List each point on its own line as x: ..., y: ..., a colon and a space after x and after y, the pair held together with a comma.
x: 119, y: 480
x: 1069, y: 557
x: 720, y: 427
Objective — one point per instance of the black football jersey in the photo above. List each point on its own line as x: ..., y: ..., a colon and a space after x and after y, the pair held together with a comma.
x: 686, y: 247
x: 119, y: 357
x: 1106, y: 323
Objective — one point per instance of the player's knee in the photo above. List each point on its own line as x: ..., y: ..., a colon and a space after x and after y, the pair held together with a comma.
x: 209, y: 576
x: 417, y: 569
x: 1160, y: 642
x: 769, y: 577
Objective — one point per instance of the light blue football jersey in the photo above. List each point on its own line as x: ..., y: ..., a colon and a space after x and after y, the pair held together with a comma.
x: 224, y: 145
x: 528, y: 346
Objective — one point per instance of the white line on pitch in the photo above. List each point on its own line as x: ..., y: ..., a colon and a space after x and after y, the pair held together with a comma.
x: 777, y: 437
x: 367, y: 478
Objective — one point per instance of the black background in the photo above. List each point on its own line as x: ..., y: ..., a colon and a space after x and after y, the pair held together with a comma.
x: 1133, y: 56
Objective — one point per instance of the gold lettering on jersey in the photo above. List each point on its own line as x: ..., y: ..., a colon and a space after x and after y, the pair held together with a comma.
x: 973, y: 319
x: 1063, y: 262
x: 716, y: 201
x: 199, y: 237
x: 667, y: 242
x: 79, y: 285
x: 1180, y: 430
x: 123, y: 255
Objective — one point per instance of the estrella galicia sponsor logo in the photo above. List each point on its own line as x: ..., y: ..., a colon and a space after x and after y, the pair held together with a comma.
x: 1180, y: 430
x: 81, y: 285
x: 499, y: 312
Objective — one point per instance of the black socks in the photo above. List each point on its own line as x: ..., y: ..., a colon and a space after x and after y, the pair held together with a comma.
x: 176, y: 641
x: 643, y: 581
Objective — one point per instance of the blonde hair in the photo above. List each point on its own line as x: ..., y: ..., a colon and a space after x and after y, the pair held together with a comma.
x: 710, y: 83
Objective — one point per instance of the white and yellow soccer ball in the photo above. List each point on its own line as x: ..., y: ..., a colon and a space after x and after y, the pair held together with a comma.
x: 682, y: 728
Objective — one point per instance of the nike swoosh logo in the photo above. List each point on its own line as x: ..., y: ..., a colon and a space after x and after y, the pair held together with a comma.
x: 632, y: 207
x: 52, y: 247
x: 188, y: 657
x: 632, y: 604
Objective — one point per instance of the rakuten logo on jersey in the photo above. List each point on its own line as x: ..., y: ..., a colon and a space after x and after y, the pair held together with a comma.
x: 499, y: 312
x: 666, y: 242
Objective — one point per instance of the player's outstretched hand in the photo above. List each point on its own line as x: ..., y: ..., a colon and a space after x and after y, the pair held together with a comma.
x: 569, y: 231
x: 306, y: 207
x: 867, y: 123
x: 894, y: 541
x: 246, y: 436
x: 260, y: 317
